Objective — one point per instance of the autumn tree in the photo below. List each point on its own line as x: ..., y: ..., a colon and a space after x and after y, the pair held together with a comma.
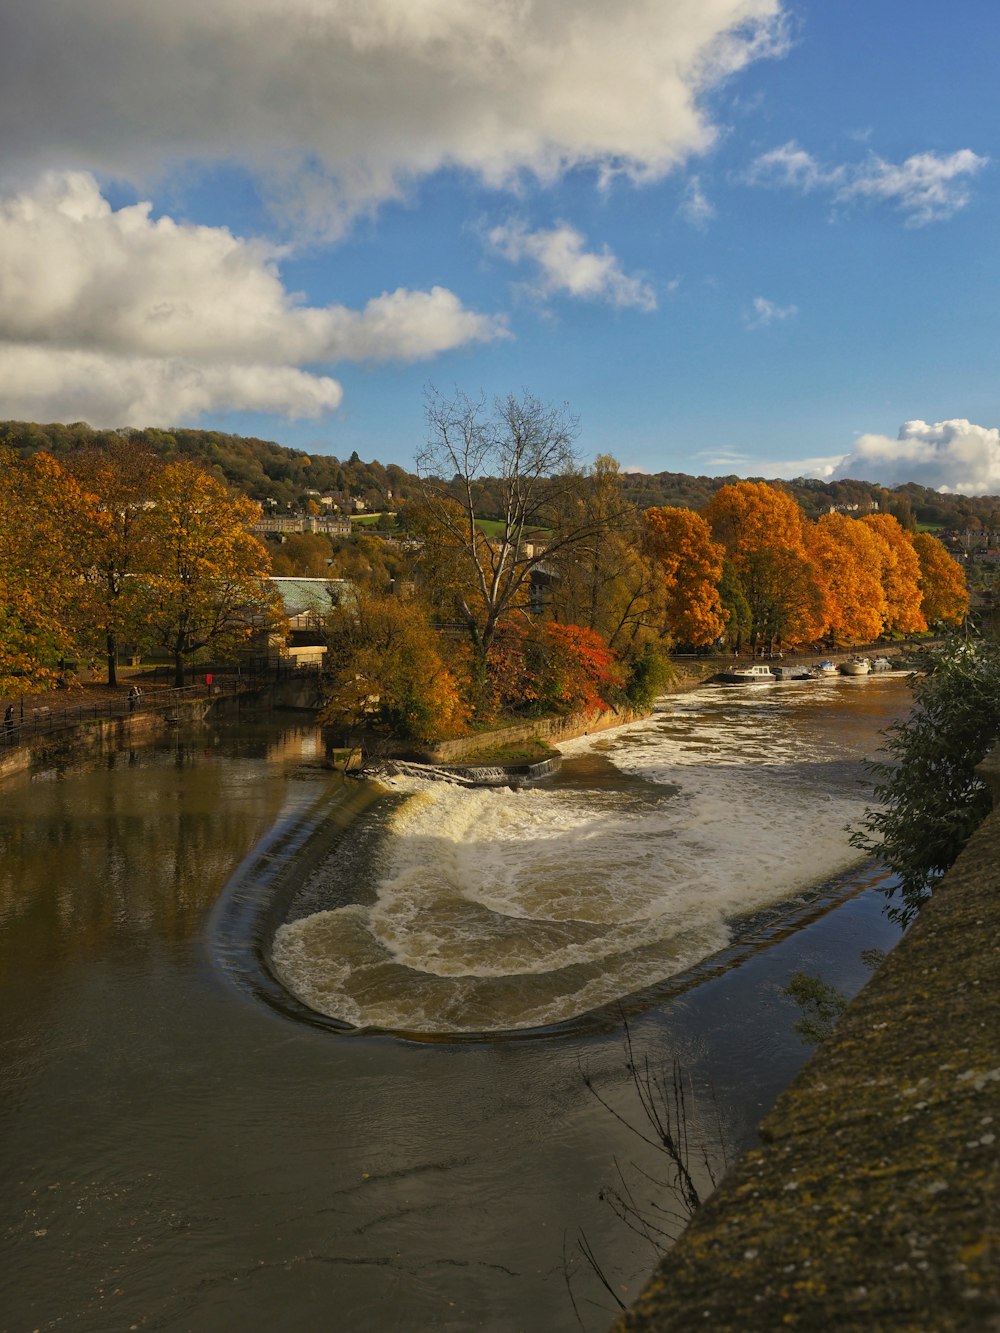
x: 846, y: 562
x: 119, y: 477
x: 689, y: 563
x: 943, y: 589
x: 573, y: 668
x: 384, y: 667
x: 761, y: 531
x: 210, y: 589
x: 899, y: 572
x: 41, y: 574
x: 607, y: 581
x: 516, y: 465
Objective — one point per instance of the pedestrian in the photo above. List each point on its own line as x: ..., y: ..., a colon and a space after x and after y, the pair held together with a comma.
x: 134, y: 695
x: 8, y: 719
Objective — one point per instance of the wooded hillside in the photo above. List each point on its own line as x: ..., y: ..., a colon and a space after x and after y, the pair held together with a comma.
x: 266, y: 472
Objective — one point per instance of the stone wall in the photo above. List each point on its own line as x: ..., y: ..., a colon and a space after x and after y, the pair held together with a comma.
x: 553, y: 730
x: 874, y: 1202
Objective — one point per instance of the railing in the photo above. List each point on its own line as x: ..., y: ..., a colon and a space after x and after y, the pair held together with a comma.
x: 31, y: 718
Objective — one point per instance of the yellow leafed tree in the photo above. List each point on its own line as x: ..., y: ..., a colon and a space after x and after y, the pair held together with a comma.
x: 943, y: 589
x: 210, y: 590
x: 690, y: 564
x: 42, y: 594
x: 899, y: 573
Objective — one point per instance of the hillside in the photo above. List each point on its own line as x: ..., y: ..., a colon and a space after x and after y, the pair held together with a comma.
x: 275, y: 475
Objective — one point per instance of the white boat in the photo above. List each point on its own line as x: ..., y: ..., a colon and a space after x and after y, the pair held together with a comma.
x: 826, y: 668
x: 751, y: 675
x: 857, y: 666
x: 881, y: 664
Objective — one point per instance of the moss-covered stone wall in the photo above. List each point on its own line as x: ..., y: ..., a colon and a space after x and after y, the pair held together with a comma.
x: 874, y: 1202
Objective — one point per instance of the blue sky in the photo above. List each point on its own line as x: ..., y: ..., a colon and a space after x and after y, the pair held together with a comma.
x: 733, y: 235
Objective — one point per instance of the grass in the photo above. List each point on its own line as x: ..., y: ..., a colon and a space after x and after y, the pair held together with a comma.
x: 531, y: 751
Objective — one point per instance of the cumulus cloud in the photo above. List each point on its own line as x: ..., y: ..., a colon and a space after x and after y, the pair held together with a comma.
x: 566, y: 266
x: 349, y: 103
x: 135, y: 318
x: 927, y: 187
x: 952, y: 456
x: 766, y: 312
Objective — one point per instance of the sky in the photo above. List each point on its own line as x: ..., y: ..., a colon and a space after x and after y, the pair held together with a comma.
x: 734, y: 236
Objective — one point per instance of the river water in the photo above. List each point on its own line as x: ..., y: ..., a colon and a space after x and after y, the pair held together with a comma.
x: 178, y: 1155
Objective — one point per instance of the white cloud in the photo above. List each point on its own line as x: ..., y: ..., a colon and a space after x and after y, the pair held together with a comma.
x: 696, y: 207
x: 766, y: 312
x: 136, y: 319
x: 344, y: 105
x: 565, y: 266
x: 946, y: 456
x: 927, y: 187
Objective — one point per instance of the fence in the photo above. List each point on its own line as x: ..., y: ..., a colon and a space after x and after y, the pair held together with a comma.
x: 31, y: 718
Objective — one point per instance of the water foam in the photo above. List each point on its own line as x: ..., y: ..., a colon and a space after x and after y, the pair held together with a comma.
x: 502, y: 910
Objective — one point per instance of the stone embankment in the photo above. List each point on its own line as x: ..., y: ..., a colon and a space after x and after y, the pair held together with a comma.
x: 874, y: 1202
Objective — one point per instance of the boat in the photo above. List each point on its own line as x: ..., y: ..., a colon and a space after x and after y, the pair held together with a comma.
x: 751, y: 675
x: 881, y: 664
x: 825, y: 668
x: 857, y: 666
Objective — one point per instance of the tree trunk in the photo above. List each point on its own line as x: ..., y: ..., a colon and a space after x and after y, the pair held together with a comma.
x: 112, y: 651
x: 178, y: 670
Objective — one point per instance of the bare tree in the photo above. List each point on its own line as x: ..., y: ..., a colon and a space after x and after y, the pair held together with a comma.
x: 514, y: 464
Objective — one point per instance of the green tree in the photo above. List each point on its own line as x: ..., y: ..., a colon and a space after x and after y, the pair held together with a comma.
x: 606, y: 581
x: 930, y: 798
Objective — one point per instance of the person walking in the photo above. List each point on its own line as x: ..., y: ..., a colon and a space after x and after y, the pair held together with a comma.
x: 8, y: 719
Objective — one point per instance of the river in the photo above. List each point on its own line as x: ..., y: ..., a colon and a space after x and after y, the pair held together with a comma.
x: 179, y: 1155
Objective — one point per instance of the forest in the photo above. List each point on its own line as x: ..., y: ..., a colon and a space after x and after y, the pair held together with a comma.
x: 275, y: 475
x: 515, y: 581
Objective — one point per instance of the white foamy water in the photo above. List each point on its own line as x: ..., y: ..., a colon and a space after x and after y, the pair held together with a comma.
x: 500, y: 909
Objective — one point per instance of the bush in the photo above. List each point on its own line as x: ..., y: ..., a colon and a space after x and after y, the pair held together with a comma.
x: 649, y: 674
x: 931, y: 799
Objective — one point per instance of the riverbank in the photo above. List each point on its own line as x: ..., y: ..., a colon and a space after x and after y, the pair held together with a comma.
x: 875, y: 1200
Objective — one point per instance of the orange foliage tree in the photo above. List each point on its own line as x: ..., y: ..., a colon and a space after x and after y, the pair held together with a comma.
x: 573, y: 668
x: 899, y: 574
x: 690, y: 564
x: 846, y: 562
x: 761, y: 531
x: 943, y: 589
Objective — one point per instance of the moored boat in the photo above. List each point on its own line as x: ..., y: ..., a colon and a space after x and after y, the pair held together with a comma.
x: 881, y: 664
x: 857, y: 666
x: 750, y: 675
x: 825, y: 668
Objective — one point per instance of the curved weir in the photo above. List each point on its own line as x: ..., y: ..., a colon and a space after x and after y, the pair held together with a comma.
x: 659, y: 852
